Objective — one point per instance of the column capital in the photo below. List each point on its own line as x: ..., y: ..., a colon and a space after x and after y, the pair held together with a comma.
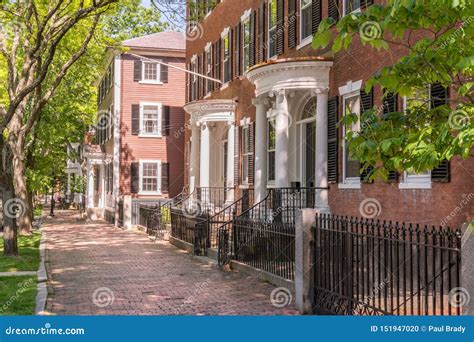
x: 319, y: 91
x: 261, y: 100
x: 230, y: 123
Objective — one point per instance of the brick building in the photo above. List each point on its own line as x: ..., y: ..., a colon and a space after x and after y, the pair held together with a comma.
x: 271, y: 123
x: 135, y: 157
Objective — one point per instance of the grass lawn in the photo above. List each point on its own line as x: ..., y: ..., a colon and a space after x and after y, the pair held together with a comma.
x: 28, y: 259
x: 17, y: 295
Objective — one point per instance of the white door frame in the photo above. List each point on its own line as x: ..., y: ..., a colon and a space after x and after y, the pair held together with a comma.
x: 301, y: 125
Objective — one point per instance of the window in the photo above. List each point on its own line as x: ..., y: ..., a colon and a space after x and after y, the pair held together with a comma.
x: 194, y: 81
x: 246, y: 152
x: 272, y: 28
x: 150, y: 177
x: 306, y: 19
x: 271, y: 146
x: 226, y: 57
x: 150, y: 119
x: 411, y: 179
x: 351, y: 6
x: 208, y: 70
x: 150, y: 72
x: 351, y: 167
x: 246, y: 43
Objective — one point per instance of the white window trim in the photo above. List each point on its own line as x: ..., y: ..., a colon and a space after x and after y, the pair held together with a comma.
x: 422, y: 181
x: 246, y: 15
x: 348, y: 182
x: 344, y: 9
x: 158, y: 74
x: 151, y: 161
x: 160, y: 118
x: 245, y: 126
x: 308, y: 40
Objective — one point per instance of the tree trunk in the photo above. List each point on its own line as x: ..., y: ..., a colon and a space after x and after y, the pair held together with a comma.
x: 25, y: 222
x: 10, y: 243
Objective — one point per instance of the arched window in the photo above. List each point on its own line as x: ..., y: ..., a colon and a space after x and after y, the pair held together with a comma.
x: 309, y: 111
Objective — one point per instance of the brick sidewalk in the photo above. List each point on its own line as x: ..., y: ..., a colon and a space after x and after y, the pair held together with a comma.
x: 96, y: 269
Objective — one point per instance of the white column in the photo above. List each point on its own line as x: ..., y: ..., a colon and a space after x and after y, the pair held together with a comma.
x: 68, y: 183
x: 205, y: 156
x: 282, y: 119
x: 322, y: 196
x: 117, y: 88
x: 230, y: 161
x: 261, y: 140
x: 90, y: 185
x: 102, y: 186
x: 194, y: 158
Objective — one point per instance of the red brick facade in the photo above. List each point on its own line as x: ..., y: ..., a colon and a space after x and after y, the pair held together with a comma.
x: 427, y: 206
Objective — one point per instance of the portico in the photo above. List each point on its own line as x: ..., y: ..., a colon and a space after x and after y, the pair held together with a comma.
x: 291, y: 125
x: 212, y: 150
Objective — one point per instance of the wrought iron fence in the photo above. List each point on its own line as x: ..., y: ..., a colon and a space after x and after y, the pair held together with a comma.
x: 212, y: 199
x: 150, y: 217
x: 368, y: 267
x: 264, y: 235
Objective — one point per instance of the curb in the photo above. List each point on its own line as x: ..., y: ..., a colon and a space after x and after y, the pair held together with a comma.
x: 42, y: 289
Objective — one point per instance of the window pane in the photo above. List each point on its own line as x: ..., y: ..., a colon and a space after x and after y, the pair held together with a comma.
x: 352, y: 106
x: 271, y: 166
x: 151, y: 71
x: 352, y: 5
x: 150, y: 177
x: 272, y: 8
x: 306, y: 17
x: 150, y: 119
x: 271, y: 136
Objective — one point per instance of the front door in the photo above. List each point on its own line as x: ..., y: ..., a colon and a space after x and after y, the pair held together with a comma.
x: 225, y: 163
x: 310, y: 154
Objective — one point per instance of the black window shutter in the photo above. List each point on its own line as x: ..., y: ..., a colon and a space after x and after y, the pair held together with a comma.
x: 238, y: 49
x: 393, y: 176
x: 366, y: 103
x: 442, y: 173
x: 365, y: 173
x: 280, y: 37
x: 252, y: 45
x: 166, y: 121
x: 164, y: 73
x: 218, y: 61
x: 333, y: 10
x: 262, y: 46
x: 137, y: 71
x: 135, y: 119
x: 366, y: 100
x: 199, y: 70
x: 165, y: 170
x: 316, y: 15
x: 236, y: 155
x: 134, y: 178
x: 333, y: 140
x: 438, y: 95
x: 231, y: 54
x: 292, y: 24
x: 251, y: 150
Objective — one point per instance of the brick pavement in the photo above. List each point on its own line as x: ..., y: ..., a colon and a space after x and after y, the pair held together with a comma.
x: 97, y: 269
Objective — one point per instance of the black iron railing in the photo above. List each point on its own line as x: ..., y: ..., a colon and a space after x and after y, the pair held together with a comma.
x: 368, y: 267
x: 206, y: 234
x: 212, y: 199
x: 120, y: 213
x: 150, y: 217
x: 264, y: 235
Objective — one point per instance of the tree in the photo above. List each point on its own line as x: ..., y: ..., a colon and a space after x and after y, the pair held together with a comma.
x: 134, y: 20
x: 437, y: 36
x: 40, y: 41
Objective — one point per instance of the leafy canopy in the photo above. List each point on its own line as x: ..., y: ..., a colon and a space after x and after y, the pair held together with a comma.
x: 437, y: 36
